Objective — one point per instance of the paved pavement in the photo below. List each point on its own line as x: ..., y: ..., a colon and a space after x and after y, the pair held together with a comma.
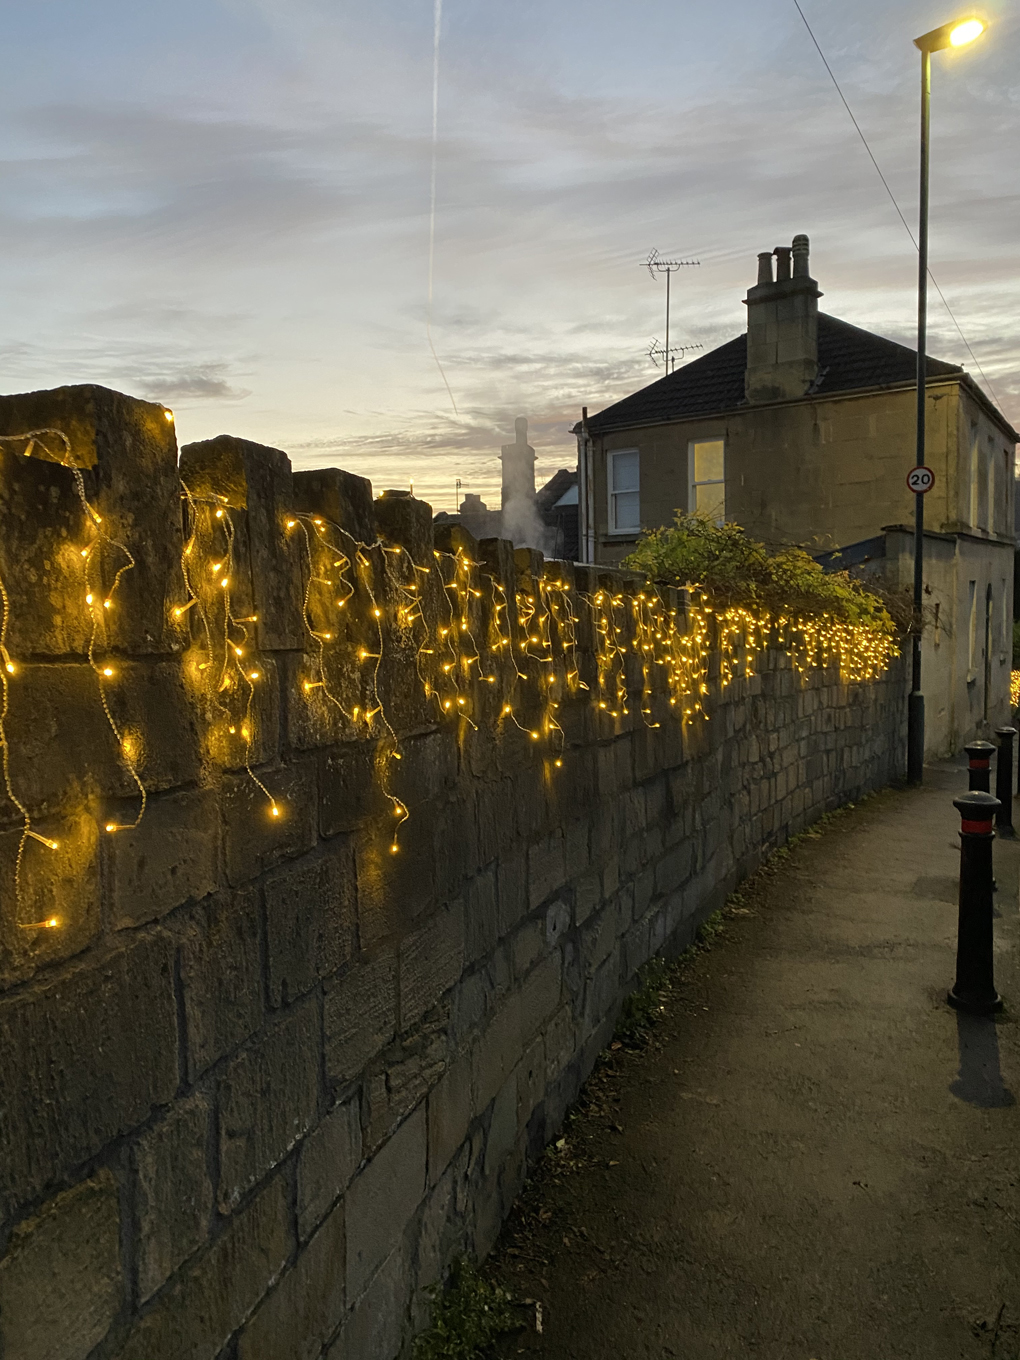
x: 820, y: 1160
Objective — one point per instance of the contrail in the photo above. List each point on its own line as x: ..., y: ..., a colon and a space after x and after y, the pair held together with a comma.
x: 437, y: 21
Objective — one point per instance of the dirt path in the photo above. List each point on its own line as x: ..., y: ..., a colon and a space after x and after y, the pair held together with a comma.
x: 814, y: 1158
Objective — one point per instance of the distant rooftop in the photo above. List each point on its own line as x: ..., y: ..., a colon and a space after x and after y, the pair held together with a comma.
x: 848, y: 358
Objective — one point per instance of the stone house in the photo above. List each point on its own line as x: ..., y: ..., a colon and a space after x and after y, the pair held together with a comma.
x: 803, y: 430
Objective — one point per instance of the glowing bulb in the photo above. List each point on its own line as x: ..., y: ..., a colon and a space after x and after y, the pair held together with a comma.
x: 112, y: 826
x: 84, y: 552
x: 377, y: 613
x: 231, y: 730
x: 254, y: 675
x: 394, y: 848
x: 557, y: 763
x: 291, y: 523
x: 107, y: 670
x: 219, y: 514
x: 107, y: 604
x: 168, y: 415
x: 10, y: 667
x: 966, y: 32
x: 274, y: 811
x: 88, y: 599
x: 225, y: 582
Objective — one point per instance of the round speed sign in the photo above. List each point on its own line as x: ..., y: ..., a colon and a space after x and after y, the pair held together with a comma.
x: 920, y: 479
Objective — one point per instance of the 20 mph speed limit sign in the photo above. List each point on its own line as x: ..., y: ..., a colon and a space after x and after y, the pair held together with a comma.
x: 920, y: 479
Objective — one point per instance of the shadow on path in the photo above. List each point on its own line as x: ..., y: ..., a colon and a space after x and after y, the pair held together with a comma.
x: 979, y: 1081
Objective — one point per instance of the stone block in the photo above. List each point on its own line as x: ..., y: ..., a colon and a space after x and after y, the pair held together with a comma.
x: 587, y: 896
x: 526, y: 946
x: 171, y: 857
x: 198, y: 1314
x: 403, y: 519
x: 360, y: 1017
x: 374, y: 1329
x: 257, y: 479
x: 255, y: 839
x: 350, y: 790
x: 121, y: 445
x: 431, y: 961
x: 311, y: 924
x: 306, y: 1306
x: 60, y: 1281
x: 540, y: 995
x: 173, y: 1192
x: 52, y: 907
x: 402, y: 1077
x: 503, y: 1126
x: 481, y: 916
x: 512, y: 881
x: 63, y: 750
x: 221, y: 977
x: 94, y: 1051
x: 340, y: 497
x: 241, y: 727
x: 268, y: 1098
x: 556, y: 923
x: 546, y: 869
x: 450, y: 1111
x: 382, y: 1199
x: 327, y: 1162
x: 497, y: 1051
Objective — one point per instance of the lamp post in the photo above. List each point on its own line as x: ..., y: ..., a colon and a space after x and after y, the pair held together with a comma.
x: 955, y: 34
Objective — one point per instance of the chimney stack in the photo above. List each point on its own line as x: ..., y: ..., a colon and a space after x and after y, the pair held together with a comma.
x: 518, y: 461
x: 782, y: 326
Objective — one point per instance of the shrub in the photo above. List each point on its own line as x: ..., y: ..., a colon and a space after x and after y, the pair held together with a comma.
x: 736, y: 571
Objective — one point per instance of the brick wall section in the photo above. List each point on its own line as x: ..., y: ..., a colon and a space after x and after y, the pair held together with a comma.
x: 266, y: 1079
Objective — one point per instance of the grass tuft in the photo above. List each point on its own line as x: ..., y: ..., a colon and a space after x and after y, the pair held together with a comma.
x: 467, y: 1316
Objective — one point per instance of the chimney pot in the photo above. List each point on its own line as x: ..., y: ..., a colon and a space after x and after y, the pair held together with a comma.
x: 765, y: 266
x: 801, y: 251
x: 782, y: 254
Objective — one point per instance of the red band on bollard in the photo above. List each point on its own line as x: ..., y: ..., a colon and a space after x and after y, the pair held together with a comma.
x: 978, y: 764
x: 976, y: 828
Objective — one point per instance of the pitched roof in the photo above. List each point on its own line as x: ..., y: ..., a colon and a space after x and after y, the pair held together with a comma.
x: 547, y: 496
x: 848, y: 358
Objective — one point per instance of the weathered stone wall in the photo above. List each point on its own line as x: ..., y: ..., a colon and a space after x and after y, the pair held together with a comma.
x: 262, y: 1077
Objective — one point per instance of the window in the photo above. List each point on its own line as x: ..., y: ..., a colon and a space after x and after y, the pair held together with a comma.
x: 707, y: 464
x: 624, y: 475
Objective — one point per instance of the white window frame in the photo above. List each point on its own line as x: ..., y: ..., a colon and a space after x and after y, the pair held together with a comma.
x: 692, y: 485
x: 626, y: 531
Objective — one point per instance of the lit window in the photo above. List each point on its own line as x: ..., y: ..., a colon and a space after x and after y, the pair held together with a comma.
x: 624, y: 492
x: 707, y: 462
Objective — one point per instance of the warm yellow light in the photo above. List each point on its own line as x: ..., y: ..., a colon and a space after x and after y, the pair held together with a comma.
x: 219, y: 514
x: 168, y: 415
x: 10, y: 667
x: 966, y: 32
x: 107, y: 604
x: 107, y: 670
x: 112, y: 826
x: 274, y: 811
x: 254, y: 675
x: 88, y: 599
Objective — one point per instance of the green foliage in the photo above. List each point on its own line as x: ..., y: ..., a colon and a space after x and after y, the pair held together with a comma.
x: 737, y: 571
x: 467, y: 1317
x: 643, y: 1006
x: 1016, y: 645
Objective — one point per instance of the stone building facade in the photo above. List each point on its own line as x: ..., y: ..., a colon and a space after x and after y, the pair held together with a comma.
x: 802, y: 431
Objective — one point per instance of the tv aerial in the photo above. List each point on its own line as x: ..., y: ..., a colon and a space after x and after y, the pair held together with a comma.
x: 655, y: 264
x: 655, y: 351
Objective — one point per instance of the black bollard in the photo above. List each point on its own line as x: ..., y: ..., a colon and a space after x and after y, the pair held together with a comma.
x: 979, y: 754
x: 1004, y: 783
x: 974, y: 989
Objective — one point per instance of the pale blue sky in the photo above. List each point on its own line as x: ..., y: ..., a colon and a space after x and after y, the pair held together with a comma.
x: 224, y: 205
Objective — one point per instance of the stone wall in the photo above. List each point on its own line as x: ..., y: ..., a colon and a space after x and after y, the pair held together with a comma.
x: 264, y: 1076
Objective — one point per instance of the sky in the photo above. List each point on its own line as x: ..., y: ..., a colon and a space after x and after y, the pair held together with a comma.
x: 224, y: 205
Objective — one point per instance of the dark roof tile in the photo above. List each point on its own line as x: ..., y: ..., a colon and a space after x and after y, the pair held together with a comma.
x: 848, y: 358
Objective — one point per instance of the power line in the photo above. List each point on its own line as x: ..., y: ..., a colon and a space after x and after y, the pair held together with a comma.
x: 892, y: 198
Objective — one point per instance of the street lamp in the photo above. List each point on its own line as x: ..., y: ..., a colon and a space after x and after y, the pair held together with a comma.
x: 956, y: 34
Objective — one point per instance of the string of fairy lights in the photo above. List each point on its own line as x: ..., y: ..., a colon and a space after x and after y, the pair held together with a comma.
x: 481, y: 655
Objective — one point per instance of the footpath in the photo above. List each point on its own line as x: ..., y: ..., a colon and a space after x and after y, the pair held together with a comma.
x: 815, y: 1158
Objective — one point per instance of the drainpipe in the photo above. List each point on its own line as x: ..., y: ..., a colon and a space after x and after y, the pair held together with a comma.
x: 585, y: 491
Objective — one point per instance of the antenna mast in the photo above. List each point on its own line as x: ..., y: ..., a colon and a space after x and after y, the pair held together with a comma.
x: 667, y: 354
x: 655, y: 264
